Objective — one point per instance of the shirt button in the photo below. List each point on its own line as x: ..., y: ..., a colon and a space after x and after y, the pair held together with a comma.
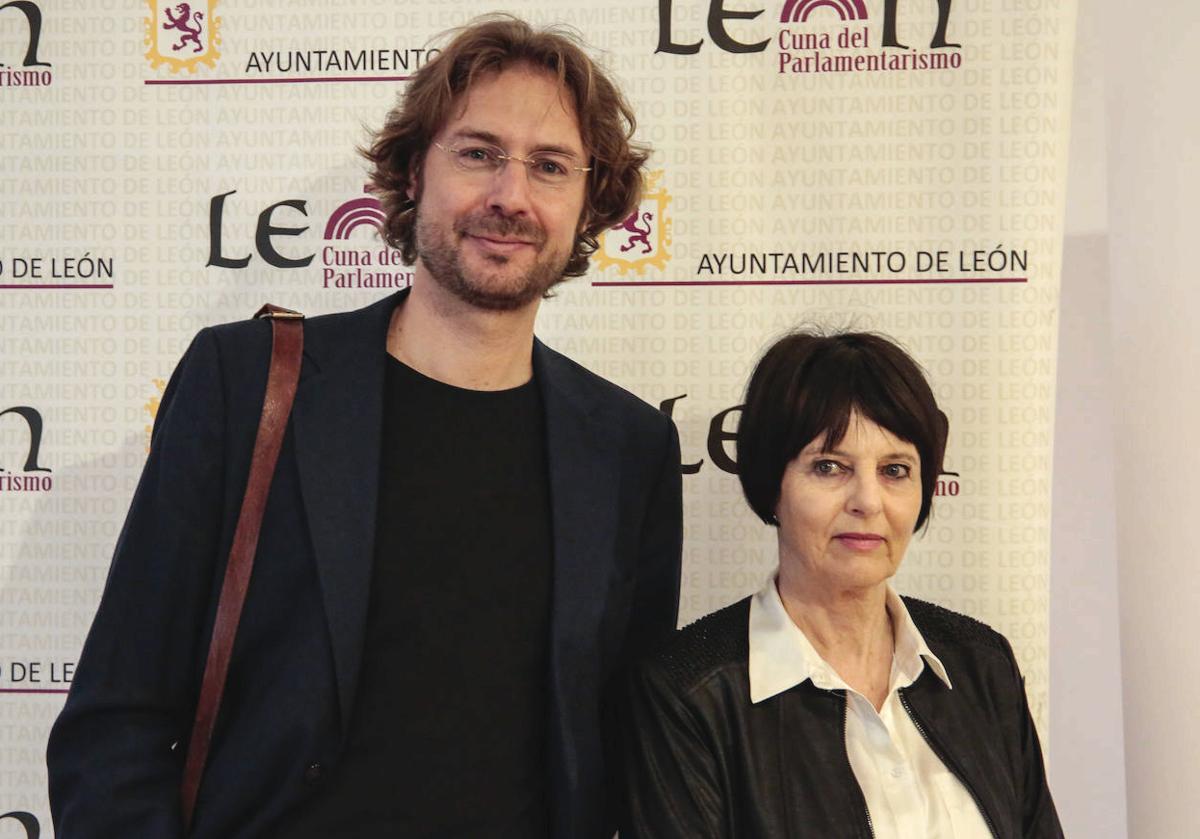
x: 897, y: 771
x: 313, y: 773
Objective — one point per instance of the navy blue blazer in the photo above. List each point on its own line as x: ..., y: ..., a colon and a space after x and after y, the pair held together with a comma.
x: 115, y: 753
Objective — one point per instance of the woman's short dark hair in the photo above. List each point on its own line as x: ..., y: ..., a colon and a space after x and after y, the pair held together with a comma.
x: 491, y: 44
x: 807, y: 385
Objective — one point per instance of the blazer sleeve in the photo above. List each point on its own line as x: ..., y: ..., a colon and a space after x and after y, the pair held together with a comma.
x: 655, y: 608
x: 670, y: 773
x: 115, y: 753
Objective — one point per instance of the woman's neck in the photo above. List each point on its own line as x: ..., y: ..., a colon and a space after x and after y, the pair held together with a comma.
x: 850, y: 629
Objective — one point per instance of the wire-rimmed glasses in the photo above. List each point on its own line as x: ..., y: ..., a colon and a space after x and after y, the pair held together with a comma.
x: 546, y: 168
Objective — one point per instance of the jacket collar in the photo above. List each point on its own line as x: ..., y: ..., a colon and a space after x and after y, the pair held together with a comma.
x: 337, y: 420
x: 781, y: 656
x: 583, y: 441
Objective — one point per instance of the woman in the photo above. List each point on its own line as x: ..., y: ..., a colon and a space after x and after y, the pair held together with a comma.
x: 826, y: 705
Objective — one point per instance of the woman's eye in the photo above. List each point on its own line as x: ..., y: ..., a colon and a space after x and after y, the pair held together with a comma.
x: 827, y: 467
x: 897, y: 470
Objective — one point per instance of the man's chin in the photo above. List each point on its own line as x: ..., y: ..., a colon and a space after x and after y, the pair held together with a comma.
x: 497, y: 293
x: 495, y: 282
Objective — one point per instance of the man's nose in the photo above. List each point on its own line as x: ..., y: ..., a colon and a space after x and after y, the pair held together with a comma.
x: 510, y: 190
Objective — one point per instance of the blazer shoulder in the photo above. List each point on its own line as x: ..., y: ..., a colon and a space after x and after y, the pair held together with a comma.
x: 253, y: 329
x: 690, y: 656
x: 611, y: 396
x: 248, y: 342
x: 941, y: 625
x: 249, y: 334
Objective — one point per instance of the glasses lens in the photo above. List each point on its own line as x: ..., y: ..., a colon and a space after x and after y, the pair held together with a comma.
x: 476, y: 158
x: 551, y: 170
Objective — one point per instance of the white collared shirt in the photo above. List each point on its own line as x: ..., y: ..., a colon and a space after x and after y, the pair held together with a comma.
x: 909, y: 791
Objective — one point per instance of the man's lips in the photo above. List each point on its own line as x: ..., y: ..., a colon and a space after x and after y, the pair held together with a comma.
x: 500, y: 244
x: 860, y: 541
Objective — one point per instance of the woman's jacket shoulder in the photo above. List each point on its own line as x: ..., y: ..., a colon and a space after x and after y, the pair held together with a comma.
x: 719, y: 644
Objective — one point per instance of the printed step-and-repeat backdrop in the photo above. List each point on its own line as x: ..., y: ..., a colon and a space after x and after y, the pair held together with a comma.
x: 888, y: 165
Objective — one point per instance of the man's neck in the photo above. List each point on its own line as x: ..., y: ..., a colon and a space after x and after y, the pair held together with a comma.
x: 453, y: 342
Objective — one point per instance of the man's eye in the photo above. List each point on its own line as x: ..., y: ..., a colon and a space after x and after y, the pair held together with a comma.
x: 477, y: 154
x: 548, y: 167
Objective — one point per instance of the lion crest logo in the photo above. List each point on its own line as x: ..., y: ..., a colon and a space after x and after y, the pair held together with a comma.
x: 641, y: 240
x: 182, y: 35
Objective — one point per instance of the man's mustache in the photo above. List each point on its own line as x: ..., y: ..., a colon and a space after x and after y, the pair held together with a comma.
x: 492, y: 225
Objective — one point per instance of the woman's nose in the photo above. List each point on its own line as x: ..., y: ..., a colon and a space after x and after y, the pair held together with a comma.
x: 865, y: 497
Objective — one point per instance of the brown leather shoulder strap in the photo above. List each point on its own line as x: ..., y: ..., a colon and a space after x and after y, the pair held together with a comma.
x: 287, y: 345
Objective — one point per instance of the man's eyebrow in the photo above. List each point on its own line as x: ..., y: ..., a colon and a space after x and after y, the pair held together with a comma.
x: 473, y: 134
x: 489, y: 137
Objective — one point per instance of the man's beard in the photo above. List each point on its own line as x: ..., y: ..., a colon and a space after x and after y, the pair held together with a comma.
x: 440, y: 251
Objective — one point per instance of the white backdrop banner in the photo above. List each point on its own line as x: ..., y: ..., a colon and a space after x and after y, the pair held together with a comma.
x: 893, y: 166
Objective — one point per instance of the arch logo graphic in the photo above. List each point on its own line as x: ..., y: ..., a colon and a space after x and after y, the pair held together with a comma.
x: 182, y: 36
x: 352, y: 214
x: 643, y: 239
x: 797, y: 11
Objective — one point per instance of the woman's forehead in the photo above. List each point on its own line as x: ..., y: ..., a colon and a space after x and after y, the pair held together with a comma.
x: 861, y: 433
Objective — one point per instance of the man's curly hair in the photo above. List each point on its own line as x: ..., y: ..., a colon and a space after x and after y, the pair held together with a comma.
x: 489, y: 45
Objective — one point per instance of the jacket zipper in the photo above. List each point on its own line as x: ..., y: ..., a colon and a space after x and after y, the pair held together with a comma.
x: 954, y: 767
x: 845, y: 722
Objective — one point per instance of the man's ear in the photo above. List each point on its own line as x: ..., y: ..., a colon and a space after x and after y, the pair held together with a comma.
x: 413, y: 189
x: 586, y: 216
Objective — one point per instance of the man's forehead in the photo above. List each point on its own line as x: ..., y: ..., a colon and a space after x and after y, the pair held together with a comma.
x: 519, y: 103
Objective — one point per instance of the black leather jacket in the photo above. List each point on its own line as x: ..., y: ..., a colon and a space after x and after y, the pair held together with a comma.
x: 701, y: 762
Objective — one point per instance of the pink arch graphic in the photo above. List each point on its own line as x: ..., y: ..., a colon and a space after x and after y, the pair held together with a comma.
x: 797, y: 11
x: 353, y: 214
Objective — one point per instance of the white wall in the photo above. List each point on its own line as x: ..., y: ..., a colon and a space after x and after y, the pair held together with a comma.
x: 1153, y: 121
x: 1086, y: 748
x: 1127, y: 459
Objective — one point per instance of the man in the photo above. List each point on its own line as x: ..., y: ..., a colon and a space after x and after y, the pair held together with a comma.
x: 466, y: 533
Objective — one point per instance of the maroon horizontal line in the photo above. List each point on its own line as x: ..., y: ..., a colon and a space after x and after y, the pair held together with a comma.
x: 33, y: 690
x: 301, y: 80
x: 59, y: 286
x: 917, y: 281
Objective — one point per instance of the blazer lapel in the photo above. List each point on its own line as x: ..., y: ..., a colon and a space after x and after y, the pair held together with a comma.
x: 338, y: 423
x: 582, y: 455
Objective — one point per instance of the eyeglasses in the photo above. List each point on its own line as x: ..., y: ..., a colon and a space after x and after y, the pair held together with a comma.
x: 545, y: 168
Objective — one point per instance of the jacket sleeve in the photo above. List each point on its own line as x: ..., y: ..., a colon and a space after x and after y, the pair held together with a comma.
x: 1039, y: 818
x: 671, y: 779
x: 655, y: 608
x: 114, y: 756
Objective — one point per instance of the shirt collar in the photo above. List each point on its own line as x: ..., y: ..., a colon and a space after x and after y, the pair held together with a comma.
x: 781, y: 656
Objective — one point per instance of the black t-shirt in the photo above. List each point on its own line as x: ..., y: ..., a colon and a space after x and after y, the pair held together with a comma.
x: 447, y: 736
